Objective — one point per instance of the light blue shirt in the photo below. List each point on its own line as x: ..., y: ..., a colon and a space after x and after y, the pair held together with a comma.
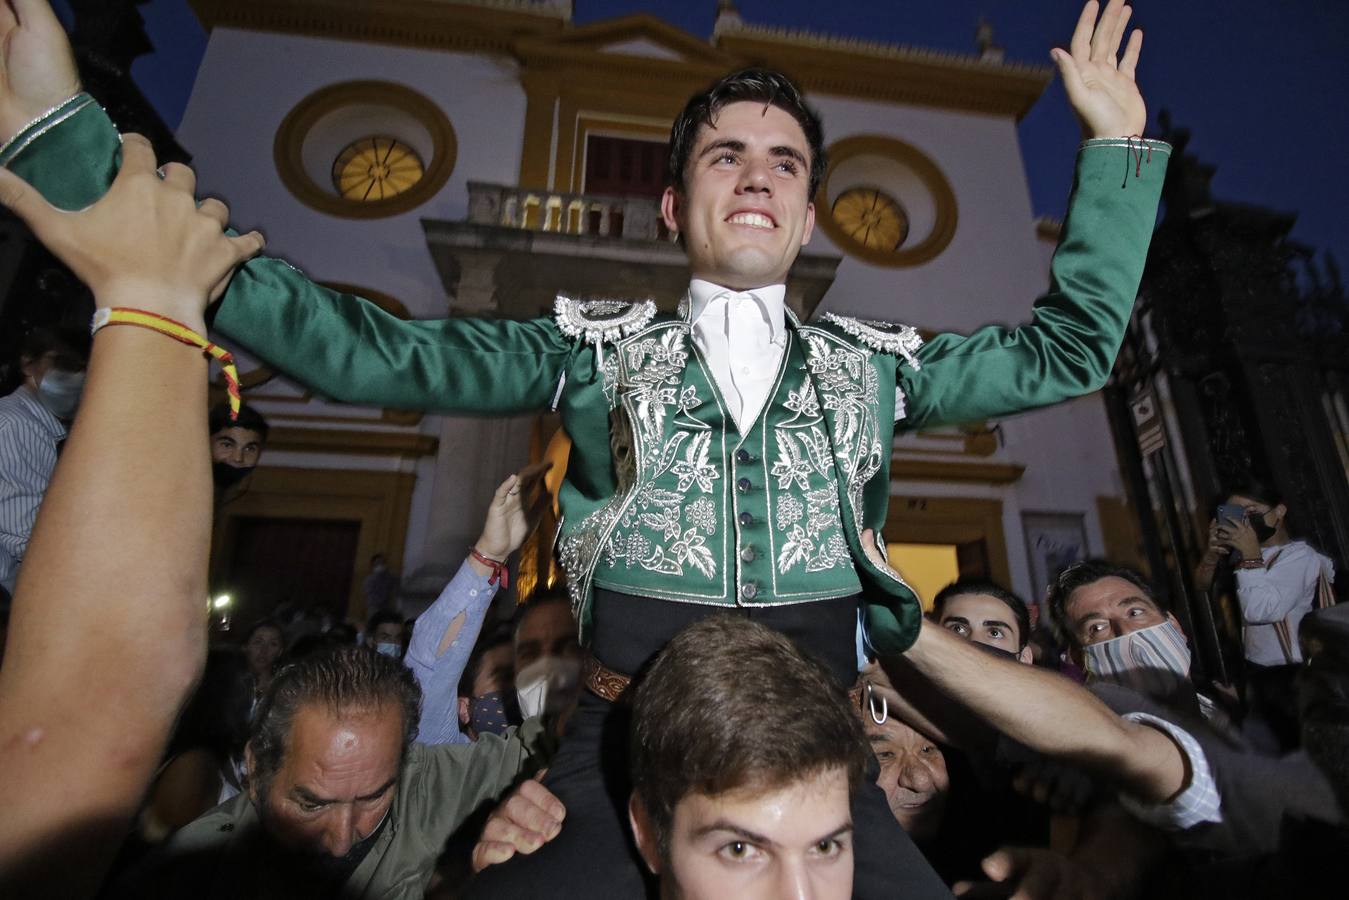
x: 29, y: 435
x: 469, y: 594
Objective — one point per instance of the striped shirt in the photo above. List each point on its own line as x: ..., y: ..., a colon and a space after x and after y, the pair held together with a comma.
x: 29, y: 435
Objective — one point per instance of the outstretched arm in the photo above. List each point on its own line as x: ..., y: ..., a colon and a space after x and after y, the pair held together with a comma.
x: 342, y: 346
x: 1050, y: 715
x: 445, y: 634
x: 1069, y: 347
x: 108, y: 631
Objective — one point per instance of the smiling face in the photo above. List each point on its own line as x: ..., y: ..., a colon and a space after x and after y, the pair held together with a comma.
x: 1108, y: 608
x: 745, y: 210
x: 336, y: 779
x: 792, y: 841
x: 913, y: 775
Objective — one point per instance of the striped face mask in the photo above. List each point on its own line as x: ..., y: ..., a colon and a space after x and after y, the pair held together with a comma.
x: 1154, y: 661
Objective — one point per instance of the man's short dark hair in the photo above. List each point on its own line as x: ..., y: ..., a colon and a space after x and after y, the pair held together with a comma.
x: 732, y: 704
x: 249, y: 419
x: 342, y: 679
x: 70, y: 344
x: 382, y: 617
x: 1081, y: 574
x: 501, y: 635
x: 756, y: 86
x: 966, y: 586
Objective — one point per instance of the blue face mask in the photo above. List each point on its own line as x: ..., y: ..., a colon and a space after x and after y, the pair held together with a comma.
x: 487, y: 714
x: 390, y: 648
x: 60, y: 392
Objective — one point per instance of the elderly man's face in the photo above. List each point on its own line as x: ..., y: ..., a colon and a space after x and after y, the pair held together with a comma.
x: 336, y: 780
x: 913, y: 775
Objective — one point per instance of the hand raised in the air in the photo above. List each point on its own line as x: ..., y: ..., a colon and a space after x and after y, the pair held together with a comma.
x: 37, y: 69
x: 1100, y: 82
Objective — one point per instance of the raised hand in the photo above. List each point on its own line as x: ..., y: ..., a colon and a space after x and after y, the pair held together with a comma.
x: 513, y: 512
x: 145, y: 243
x: 37, y: 69
x: 1100, y: 83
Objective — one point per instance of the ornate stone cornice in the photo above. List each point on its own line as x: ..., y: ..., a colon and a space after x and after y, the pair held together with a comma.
x: 897, y: 73
x: 468, y: 25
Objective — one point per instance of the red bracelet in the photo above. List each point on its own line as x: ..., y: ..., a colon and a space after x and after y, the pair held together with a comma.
x: 498, y: 567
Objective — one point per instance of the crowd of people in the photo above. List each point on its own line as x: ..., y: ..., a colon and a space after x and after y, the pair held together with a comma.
x: 680, y: 723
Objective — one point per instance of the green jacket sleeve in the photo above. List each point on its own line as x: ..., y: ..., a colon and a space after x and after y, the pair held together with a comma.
x: 338, y: 344
x: 1069, y: 347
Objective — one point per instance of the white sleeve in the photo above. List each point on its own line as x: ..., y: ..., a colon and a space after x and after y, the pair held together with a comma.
x: 1198, y: 803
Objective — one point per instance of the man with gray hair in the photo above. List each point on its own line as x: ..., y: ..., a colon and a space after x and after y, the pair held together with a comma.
x: 341, y: 800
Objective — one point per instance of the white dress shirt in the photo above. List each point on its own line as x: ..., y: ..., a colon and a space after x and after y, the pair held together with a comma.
x: 741, y: 335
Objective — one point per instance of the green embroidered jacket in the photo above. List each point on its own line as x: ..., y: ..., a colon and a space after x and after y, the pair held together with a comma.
x: 601, y: 356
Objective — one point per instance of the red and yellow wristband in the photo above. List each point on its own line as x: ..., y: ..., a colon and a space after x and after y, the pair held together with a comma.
x: 125, y: 315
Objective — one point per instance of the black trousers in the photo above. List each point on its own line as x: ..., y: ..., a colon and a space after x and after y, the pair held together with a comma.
x: 594, y: 855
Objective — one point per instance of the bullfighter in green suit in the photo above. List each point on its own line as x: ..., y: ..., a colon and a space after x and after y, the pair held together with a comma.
x: 698, y: 483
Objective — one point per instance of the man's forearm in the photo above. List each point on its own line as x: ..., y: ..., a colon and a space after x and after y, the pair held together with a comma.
x: 1049, y: 714
x: 117, y: 565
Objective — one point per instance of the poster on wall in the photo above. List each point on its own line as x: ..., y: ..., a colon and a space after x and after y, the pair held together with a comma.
x: 1053, y: 540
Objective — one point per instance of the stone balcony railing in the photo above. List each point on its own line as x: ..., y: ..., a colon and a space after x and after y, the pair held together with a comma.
x: 627, y: 218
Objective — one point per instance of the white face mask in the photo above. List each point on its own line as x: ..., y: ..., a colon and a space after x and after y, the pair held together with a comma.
x: 390, y: 648
x: 60, y: 392
x: 1154, y: 661
x: 547, y: 685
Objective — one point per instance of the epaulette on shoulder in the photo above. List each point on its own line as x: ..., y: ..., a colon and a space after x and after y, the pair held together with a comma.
x: 885, y: 337
x: 601, y: 320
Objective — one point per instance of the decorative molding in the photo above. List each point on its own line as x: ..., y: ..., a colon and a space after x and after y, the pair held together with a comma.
x: 915, y: 161
x: 344, y: 441
x: 905, y: 469
x: 489, y: 26
x: 288, y: 147
x: 873, y: 71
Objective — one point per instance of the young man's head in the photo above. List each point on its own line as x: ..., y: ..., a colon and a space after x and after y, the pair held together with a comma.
x: 486, y: 698
x: 987, y: 614
x: 236, y: 444
x: 326, y: 750
x: 745, y: 754
x: 1111, y: 620
x: 746, y: 157
x: 385, y: 632
x: 52, y: 361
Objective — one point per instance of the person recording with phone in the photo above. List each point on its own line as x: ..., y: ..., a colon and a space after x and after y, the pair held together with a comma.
x: 1278, y: 580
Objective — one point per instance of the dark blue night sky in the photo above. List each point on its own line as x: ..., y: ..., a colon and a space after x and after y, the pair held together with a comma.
x: 1261, y: 84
